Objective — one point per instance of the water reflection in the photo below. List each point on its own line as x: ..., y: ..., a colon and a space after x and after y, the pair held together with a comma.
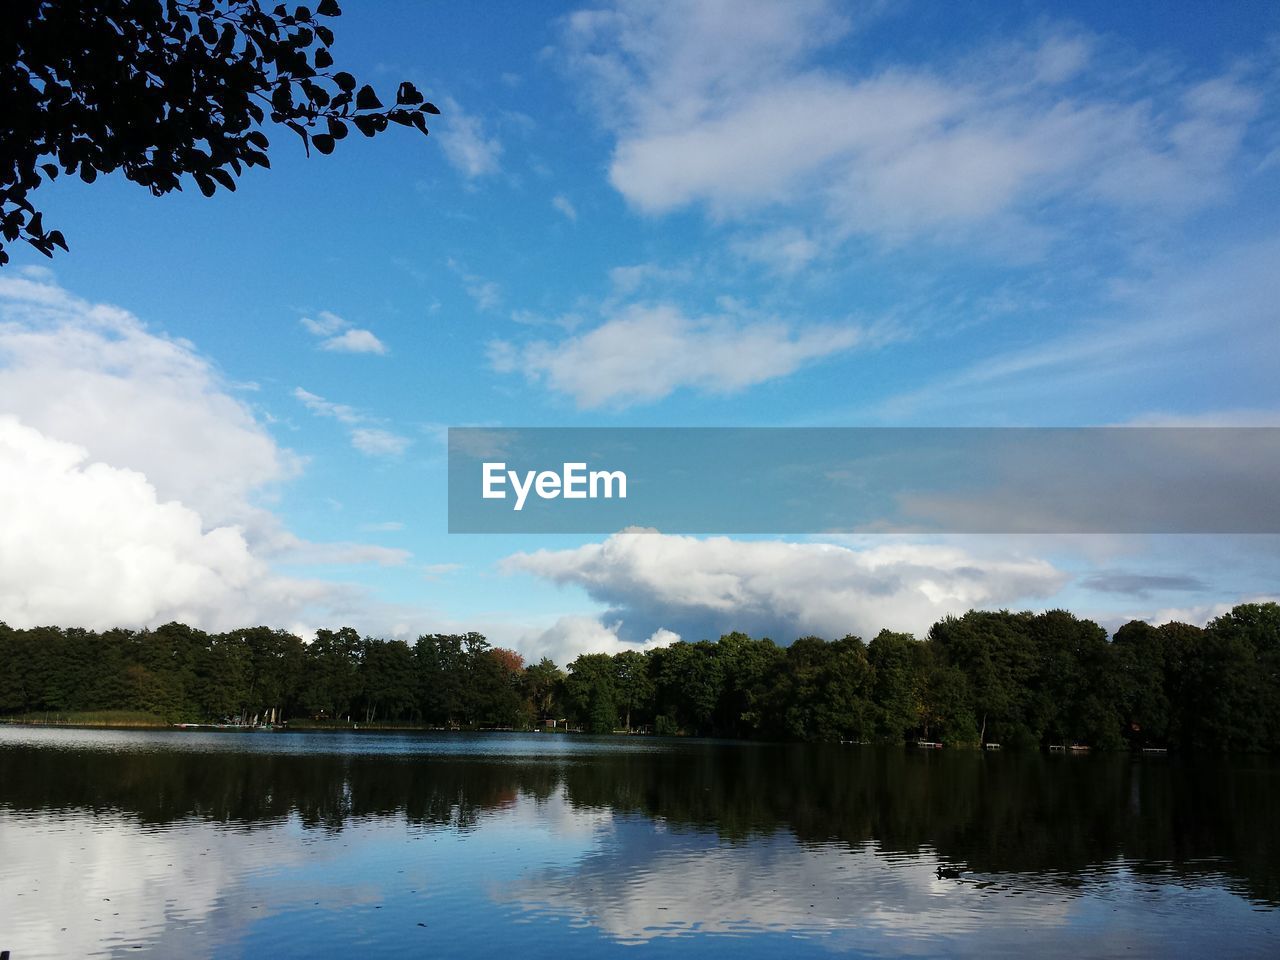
x: 228, y: 845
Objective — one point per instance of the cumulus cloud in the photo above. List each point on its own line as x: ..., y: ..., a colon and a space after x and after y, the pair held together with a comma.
x: 90, y: 544
x: 645, y: 353
x: 370, y: 440
x: 706, y: 587
x: 338, y: 336
x: 894, y: 152
x: 133, y: 486
x: 571, y: 636
x: 127, y: 395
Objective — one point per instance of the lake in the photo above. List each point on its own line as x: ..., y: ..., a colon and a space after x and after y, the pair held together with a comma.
x: 210, y: 844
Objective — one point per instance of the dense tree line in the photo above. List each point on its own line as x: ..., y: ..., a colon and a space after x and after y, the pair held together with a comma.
x: 1018, y: 679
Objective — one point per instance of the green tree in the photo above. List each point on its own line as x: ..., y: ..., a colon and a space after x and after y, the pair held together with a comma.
x: 386, y: 679
x: 164, y: 89
x: 749, y: 669
x: 543, y: 684
x: 592, y: 690
x: 1142, y: 683
x: 896, y: 687
x: 825, y: 691
x: 633, y: 684
x: 333, y: 672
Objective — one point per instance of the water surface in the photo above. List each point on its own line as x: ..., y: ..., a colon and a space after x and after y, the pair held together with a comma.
x: 187, y: 844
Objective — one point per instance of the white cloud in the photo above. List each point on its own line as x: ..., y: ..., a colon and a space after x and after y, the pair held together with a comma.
x: 434, y: 571
x: 354, y: 341
x: 569, y: 637
x: 339, y: 336
x: 785, y: 251
x: 370, y: 440
x: 1192, y: 327
x: 93, y: 545
x: 385, y: 526
x: 705, y: 587
x: 486, y: 294
x: 466, y: 143
x: 379, y: 443
x: 565, y: 206
x: 629, y: 278
x: 135, y: 483
x: 646, y: 353
x: 723, y: 105
x: 127, y: 396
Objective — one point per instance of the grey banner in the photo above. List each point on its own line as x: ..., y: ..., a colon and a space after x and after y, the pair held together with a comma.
x: 865, y: 480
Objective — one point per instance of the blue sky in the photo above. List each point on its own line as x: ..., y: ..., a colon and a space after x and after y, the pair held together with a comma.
x: 654, y: 214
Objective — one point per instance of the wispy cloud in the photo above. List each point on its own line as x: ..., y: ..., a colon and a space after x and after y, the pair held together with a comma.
x: 338, y: 336
x: 486, y: 294
x: 379, y: 443
x: 385, y: 526
x: 646, y: 353
x: 996, y: 137
x: 466, y: 142
x: 565, y: 206
x: 365, y: 437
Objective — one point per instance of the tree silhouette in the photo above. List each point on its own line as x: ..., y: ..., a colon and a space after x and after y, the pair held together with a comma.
x: 163, y: 89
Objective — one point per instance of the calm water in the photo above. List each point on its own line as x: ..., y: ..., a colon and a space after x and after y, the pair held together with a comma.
x: 365, y: 845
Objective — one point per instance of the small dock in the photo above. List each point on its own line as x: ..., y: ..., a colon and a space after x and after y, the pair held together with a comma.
x: 991, y: 746
x: 1057, y: 748
x: 928, y: 745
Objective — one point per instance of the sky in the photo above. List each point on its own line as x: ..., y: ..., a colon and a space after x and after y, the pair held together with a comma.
x: 232, y: 411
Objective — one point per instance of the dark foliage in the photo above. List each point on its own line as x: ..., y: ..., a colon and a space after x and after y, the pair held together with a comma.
x: 166, y: 89
x: 1015, y: 679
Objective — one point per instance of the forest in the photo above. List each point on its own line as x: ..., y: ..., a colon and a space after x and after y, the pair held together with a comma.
x: 1009, y: 678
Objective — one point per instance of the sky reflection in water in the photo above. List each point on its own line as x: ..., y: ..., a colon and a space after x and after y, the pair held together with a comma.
x: 290, y: 845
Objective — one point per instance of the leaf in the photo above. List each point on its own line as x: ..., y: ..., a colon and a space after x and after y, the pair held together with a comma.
x: 55, y: 237
x: 345, y: 80
x: 337, y: 129
x: 87, y: 172
x: 328, y: 8
x: 323, y: 142
x: 324, y: 59
x: 50, y: 170
x: 206, y: 185
x: 365, y: 125
x: 224, y: 178
x: 282, y: 97
x: 408, y: 94
x: 366, y: 99
x: 430, y: 108
x: 300, y: 131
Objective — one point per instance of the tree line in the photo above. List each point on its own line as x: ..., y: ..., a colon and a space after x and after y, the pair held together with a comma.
x: 1017, y: 679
